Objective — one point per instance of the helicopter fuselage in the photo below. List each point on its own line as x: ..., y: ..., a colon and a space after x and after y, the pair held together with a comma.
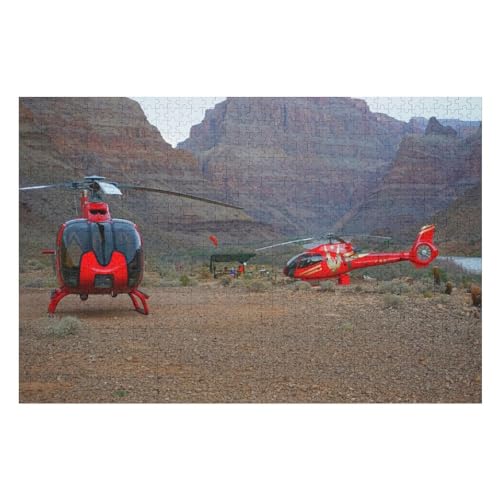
x: 96, y: 254
x: 336, y: 260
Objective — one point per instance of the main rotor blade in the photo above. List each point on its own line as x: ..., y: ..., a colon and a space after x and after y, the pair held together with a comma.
x: 181, y: 195
x: 282, y: 244
x: 368, y: 236
x: 46, y: 186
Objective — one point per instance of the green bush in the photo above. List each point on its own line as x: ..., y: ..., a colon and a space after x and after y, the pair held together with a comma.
x: 184, y: 280
x: 69, y: 325
x: 392, y: 301
x: 347, y: 327
x: 427, y: 294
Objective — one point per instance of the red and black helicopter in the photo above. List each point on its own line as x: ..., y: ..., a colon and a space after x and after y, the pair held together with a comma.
x: 96, y: 254
x: 336, y: 257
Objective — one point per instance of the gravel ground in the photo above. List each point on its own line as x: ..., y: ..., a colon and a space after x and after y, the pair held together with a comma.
x: 215, y: 344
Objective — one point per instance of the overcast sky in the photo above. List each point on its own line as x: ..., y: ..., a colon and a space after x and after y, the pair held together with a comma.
x: 174, y: 116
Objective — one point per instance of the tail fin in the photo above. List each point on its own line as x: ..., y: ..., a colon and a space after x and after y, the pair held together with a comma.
x: 423, y: 251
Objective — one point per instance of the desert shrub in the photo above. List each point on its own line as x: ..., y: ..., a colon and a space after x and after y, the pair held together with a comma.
x: 167, y: 283
x: 392, y: 301
x: 347, y: 326
x: 475, y: 293
x: 184, y: 280
x: 238, y: 284
x: 205, y: 273
x: 443, y: 299
x: 151, y: 278
x: 394, y: 287
x: 326, y: 286
x: 448, y: 288
x: 301, y: 286
x: 34, y: 265
x: 69, y: 325
x: 37, y: 282
x: 225, y: 281
x: 427, y: 294
x: 258, y: 286
x: 120, y: 393
x: 358, y: 288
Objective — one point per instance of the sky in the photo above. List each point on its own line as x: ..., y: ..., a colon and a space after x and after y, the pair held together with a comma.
x: 174, y: 116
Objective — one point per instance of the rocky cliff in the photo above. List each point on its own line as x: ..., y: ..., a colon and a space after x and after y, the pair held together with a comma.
x: 66, y: 138
x: 460, y: 225
x: 429, y: 173
x: 298, y: 163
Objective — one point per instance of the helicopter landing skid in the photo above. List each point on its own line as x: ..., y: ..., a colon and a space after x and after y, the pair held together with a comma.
x: 55, y: 297
x: 143, y: 298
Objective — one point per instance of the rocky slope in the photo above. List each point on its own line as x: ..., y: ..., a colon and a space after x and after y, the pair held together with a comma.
x: 66, y: 138
x: 298, y: 163
x: 429, y: 172
x: 463, y: 128
x: 460, y: 225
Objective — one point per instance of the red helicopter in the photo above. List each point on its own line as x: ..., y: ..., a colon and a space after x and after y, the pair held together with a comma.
x: 96, y: 254
x: 337, y: 257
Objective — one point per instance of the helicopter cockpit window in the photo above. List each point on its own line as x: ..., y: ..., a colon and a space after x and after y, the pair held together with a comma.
x: 308, y: 259
x: 127, y: 240
x: 75, y: 242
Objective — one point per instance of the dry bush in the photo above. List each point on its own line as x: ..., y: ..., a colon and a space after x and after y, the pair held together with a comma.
x: 475, y: 293
x: 327, y: 286
x: 35, y: 265
x: 301, y: 286
x: 394, y: 287
x: 204, y: 273
x: 69, y: 325
x: 448, y: 288
x: 443, y: 299
x: 392, y: 301
x: 258, y: 286
x: 225, y: 281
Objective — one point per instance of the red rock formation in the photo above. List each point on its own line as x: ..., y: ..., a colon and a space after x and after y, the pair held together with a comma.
x: 298, y: 163
x: 66, y: 138
x: 427, y: 175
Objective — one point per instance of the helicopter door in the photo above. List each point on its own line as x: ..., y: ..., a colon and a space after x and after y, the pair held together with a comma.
x: 75, y: 242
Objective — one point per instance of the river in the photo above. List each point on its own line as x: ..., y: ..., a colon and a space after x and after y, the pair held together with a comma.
x: 471, y: 264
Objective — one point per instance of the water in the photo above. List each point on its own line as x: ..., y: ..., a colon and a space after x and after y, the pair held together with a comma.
x: 471, y: 264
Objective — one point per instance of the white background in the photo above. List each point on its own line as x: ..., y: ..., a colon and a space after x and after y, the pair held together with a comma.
x: 248, y: 451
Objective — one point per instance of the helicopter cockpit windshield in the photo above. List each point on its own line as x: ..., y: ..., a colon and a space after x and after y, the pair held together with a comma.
x: 103, y: 238
x: 300, y: 261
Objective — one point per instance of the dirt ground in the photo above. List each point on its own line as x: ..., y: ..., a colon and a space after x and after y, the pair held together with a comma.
x: 214, y: 344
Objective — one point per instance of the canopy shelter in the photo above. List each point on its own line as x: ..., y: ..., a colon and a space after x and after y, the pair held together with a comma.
x: 230, y: 257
